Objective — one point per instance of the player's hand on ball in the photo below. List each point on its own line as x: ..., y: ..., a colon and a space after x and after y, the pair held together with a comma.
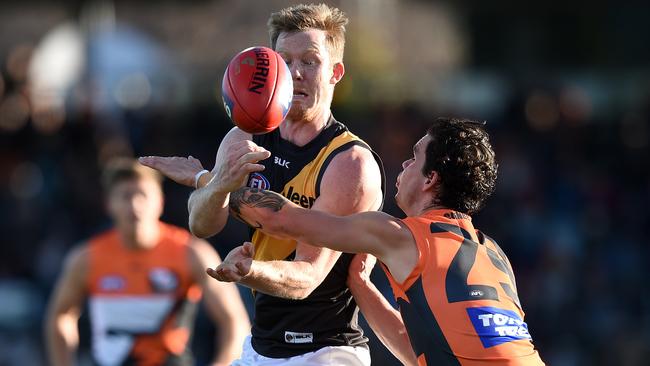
x: 233, y: 166
x: 179, y: 169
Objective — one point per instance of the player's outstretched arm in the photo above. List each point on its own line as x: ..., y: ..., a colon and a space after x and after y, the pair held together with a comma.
x: 223, y: 304
x: 384, y: 320
x: 366, y: 232
x: 180, y: 169
x: 64, y: 309
x: 237, y: 156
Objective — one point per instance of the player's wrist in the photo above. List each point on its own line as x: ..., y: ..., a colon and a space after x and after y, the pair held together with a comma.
x: 197, y: 178
x: 217, y: 188
x: 252, y: 271
x: 220, y: 186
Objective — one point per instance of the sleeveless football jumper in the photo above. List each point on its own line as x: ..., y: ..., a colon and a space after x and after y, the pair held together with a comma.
x: 460, y: 303
x: 142, y: 302
x: 328, y: 316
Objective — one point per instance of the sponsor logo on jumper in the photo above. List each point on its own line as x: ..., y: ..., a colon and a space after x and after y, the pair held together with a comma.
x: 299, y: 199
x: 163, y: 279
x: 257, y: 180
x: 495, y: 326
x: 476, y: 293
x: 294, y: 337
x: 261, y: 71
x: 112, y: 283
x: 456, y: 215
x: 281, y: 162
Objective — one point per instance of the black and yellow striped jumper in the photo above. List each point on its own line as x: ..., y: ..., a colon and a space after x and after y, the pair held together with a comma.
x: 328, y: 317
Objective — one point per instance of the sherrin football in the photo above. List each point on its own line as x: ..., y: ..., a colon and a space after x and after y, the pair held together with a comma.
x: 257, y: 90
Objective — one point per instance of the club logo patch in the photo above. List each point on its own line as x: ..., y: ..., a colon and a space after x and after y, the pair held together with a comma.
x: 294, y: 337
x: 163, y: 279
x: 258, y: 181
x: 496, y: 326
x: 112, y: 283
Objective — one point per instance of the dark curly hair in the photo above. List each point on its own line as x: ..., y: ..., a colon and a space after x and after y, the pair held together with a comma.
x: 461, y: 153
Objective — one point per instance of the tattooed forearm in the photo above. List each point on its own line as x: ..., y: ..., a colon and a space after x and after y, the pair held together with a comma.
x: 254, y: 198
x: 239, y: 217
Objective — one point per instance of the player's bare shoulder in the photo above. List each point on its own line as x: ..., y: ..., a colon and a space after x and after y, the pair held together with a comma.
x: 354, y: 176
x: 356, y: 161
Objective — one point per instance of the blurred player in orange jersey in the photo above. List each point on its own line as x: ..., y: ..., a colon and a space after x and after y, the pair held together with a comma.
x: 455, y: 287
x: 143, y: 280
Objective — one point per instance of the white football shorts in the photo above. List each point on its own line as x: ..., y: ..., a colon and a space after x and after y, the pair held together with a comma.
x: 330, y: 356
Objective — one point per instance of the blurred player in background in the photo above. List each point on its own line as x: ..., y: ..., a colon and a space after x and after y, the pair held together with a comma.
x: 143, y: 280
x: 305, y: 312
x: 454, y: 285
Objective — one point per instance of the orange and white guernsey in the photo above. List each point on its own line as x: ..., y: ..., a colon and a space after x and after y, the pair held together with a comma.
x: 460, y: 303
x: 142, y: 302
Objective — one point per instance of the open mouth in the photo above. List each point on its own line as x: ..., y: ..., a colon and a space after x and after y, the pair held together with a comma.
x: 299, y: 94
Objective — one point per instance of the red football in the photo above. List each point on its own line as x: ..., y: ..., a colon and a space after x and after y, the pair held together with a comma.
x: 257, y: 90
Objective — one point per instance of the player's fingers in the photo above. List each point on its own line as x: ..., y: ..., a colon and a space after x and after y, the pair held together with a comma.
x: 258, y: 148
x: 150, y: 161
x: 250, y: 145
x: 230, y: 275
x: 255, y: 156
x: 250, y: 168
x: 244, y: 147
x: 213, y: 273
x: 224, y: 274
x: 195, y: 161
x: 249, y: 248
x: 164, y: 163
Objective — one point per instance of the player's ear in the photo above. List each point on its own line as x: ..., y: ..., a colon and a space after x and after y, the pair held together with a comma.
x: 431, y: 181
x: 337, y: 74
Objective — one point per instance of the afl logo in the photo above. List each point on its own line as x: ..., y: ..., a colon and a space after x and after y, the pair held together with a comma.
x: 258, y: 181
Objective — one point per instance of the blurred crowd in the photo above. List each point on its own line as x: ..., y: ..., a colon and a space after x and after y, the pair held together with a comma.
x: 572, y: 141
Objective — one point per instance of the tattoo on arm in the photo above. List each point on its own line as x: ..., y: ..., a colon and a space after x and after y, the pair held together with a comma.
x: 255, y: 198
